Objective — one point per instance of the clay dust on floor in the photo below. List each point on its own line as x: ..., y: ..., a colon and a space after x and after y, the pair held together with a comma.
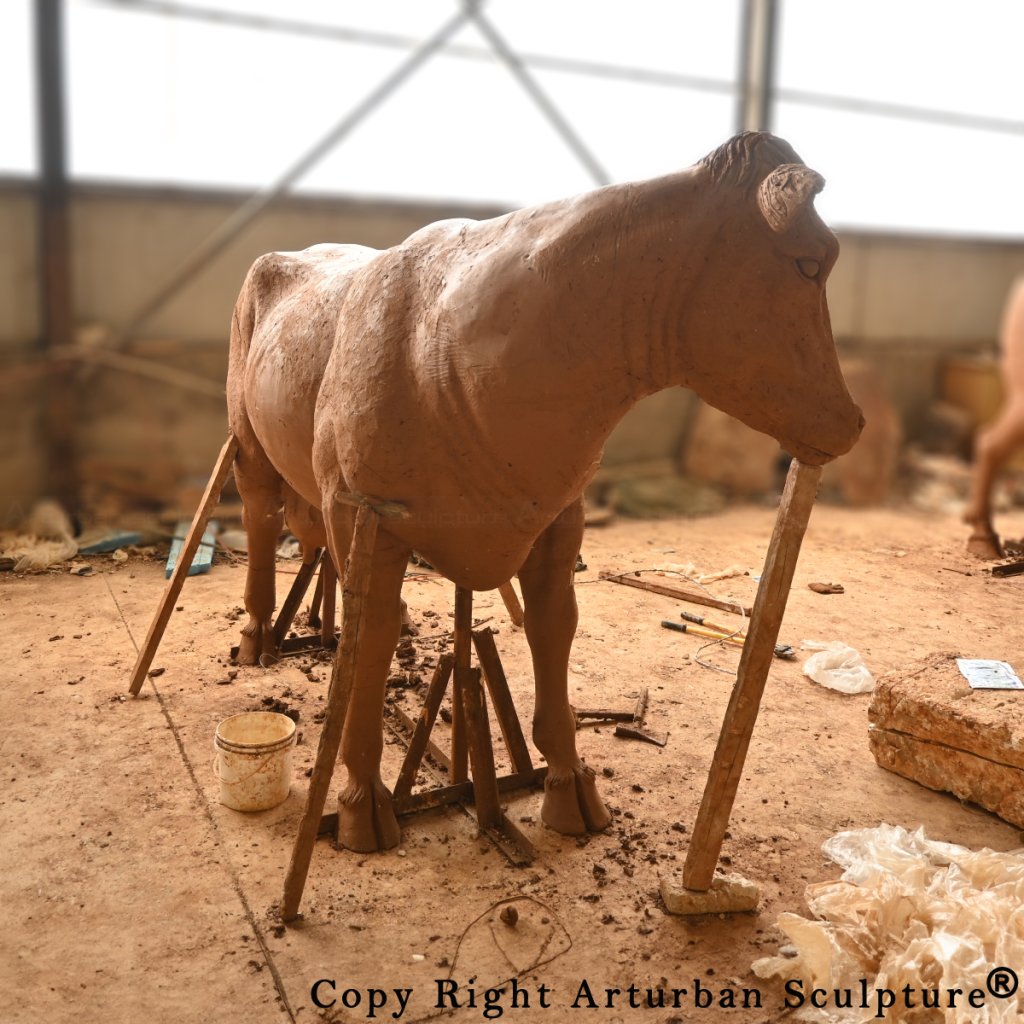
x: 130, y: 894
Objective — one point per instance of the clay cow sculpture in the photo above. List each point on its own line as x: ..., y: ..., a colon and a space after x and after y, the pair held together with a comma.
x: 997, y: 442
x: 473, y: 373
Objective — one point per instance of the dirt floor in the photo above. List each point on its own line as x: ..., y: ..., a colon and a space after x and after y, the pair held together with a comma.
x: 131, y: 894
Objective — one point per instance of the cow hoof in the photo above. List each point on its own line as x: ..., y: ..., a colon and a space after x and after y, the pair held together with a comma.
x: 366, y: 819
x: 256, y: 646
x: 572, y: 804
x: 984, y: 544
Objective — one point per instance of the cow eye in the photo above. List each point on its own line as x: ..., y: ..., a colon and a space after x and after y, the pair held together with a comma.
x: 809, y: 268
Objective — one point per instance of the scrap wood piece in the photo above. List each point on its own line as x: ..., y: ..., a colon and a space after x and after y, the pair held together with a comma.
x: 594, y: 715
x: 601, y: 715
x: 634, y: 732
x: 680, y: 593
x: 1010, y: 569
x: 202, y: 560
x: 641, y: 706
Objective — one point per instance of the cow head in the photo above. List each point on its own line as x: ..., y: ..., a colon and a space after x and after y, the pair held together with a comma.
x: 760, y: 341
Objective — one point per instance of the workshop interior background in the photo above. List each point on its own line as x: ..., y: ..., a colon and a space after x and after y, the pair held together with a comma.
x: 150, y: 151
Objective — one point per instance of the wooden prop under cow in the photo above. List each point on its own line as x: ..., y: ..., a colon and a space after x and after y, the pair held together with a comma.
x: 997, y: 442
x: 472, y: 375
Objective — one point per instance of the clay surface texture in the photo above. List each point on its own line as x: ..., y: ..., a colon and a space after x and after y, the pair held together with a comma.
x: 471, y: 376
x: 1000, y: 439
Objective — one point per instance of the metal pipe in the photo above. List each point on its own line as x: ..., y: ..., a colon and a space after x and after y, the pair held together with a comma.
x: 56, y: 312
x: 571, y: 65
x: 396, y: 40
x: 757, y: 66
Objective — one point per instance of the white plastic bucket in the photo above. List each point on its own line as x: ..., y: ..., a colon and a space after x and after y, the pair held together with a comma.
x: 254, y: 759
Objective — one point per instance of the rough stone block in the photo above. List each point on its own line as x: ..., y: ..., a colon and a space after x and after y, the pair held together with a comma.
x: 728, y: 894
x: 928, y: 725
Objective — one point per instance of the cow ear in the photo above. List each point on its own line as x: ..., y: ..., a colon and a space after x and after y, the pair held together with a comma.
x: 785, y: 192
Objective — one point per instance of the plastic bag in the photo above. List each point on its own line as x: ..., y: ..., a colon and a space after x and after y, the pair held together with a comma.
x: 837, y: 666
x: 909, y: 916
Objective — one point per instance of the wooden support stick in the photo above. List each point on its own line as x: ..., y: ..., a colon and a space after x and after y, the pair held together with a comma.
x: 195, y: 534
x: 286, y: 616
x: 421, y: 735
x: 314, y: 605
x: 329, y: 576
x: 463, y: 652
x: 744, y: 703
x: 433, y: 751
x: 673, y: 590
x: 354, y: 592
x: 481, y: 752
x: 512, y: 605
x: 501, y: 698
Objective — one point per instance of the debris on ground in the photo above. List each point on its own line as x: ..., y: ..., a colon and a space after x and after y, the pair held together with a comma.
x: 45, y: 538
x: 909, y: 922
x: 827, y: 588
x: 837, y: 666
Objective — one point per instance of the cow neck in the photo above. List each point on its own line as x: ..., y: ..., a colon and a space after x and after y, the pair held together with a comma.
x: 631, y: 262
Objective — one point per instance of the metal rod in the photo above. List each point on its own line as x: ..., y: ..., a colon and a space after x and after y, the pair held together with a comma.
x: 396, y: 40
x: 245, y: 214
x: 544, y: 103
x: 56, y: 301
x: 568, y: 65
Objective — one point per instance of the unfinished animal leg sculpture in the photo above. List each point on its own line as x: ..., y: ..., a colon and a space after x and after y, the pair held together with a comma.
x: 997, y: 442
x: 571, y: 801
x: 366, y: 816
x: 260, y: 488
x: 993, y: 448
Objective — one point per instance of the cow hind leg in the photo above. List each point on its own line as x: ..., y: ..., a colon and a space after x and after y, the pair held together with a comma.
x: 306, y: 522
x: 572, y: 804
x: 993, y: 448
x: 366, y: 816
x: 261, y: 489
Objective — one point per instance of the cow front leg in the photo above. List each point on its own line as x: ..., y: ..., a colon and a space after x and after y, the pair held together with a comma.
x: 993, y: 448
x: 366, y: 815
x: 260, y: 488
x: 571, y: 801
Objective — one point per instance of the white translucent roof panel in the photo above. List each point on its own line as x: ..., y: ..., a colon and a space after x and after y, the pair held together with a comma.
x: 690, y: 37
x: 892, y: 172
x: 943, y: 54
x: 17, y: 109
x: 175, y: 100
x: 408, y: 17
x: 886, y: 173
x: 468, y: 130
x: 169, y: 99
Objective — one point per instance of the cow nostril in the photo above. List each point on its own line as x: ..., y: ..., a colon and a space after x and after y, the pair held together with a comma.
x: 860, y: 422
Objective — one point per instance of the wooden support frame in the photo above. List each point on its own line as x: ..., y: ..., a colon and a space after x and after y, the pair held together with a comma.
x: 470, y: 733
x: 286, y: 616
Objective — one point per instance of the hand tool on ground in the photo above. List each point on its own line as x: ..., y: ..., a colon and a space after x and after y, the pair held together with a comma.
x: 783, y: 651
